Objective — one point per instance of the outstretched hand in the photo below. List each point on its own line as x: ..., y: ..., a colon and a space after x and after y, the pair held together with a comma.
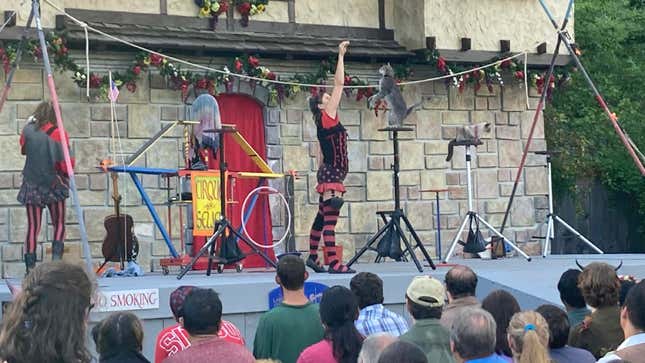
x: 342, y: 47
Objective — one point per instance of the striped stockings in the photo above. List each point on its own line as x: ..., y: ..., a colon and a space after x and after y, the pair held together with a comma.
x: 34, y: 220
x: 324, y: 226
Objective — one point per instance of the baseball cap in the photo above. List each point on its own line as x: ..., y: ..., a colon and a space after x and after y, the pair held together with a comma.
x: 426, y: 291
x: 177, y: 299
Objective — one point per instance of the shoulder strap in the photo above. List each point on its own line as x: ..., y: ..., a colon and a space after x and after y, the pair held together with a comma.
x: 51, y: 130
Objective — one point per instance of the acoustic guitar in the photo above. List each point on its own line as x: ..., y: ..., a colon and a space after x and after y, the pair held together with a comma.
x: 120, y: 244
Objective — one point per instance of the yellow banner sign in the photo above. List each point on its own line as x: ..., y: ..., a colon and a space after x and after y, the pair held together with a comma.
x: 207, y: 207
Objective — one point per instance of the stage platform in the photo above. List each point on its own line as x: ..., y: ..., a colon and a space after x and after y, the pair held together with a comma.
x: 245, y: 295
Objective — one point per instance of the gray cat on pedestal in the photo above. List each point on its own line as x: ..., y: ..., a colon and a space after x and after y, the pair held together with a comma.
x: 389, y: 90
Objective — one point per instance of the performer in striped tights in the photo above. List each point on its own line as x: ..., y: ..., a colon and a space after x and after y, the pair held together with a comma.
x: 44, y: 180
x: 332, y: 138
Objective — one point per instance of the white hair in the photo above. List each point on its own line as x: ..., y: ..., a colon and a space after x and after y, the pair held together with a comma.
x: 373, y: 345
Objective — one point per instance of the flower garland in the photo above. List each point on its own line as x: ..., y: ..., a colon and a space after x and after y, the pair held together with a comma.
x: 246, y: 8
x: 493, y: 75
x: 185, y: 80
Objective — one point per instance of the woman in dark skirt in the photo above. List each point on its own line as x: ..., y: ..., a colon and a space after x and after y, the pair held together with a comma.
x: 44, y: 180
x: 332, y: 138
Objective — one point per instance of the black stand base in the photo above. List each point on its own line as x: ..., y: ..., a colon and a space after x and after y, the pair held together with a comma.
x: 394, y: 224
x: 222, y: 228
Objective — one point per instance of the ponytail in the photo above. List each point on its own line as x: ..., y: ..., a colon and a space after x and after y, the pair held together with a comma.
x: 533, y: 351
x: 314, y: 101
x: 346, y: 342
x: 529, y: 334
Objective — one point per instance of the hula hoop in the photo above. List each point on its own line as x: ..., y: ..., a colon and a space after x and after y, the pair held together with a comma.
x: 286, y: 205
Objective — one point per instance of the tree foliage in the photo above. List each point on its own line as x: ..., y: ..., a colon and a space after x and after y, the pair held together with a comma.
x: 611, y: 36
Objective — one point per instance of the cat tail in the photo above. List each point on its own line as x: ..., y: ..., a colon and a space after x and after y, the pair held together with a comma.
x: 451, y: 145
x: 412, y: 108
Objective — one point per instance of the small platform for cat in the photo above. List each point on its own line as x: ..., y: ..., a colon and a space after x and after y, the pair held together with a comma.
x: 397, y: 128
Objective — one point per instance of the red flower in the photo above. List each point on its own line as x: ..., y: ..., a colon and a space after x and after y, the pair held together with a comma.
x: 223, y: 7
x: 238, y: 65
x: 95, y: 81
x: 62, y: 50
x: 271, y: 76
x: 38, y: 53
x: 244, y: 8
x: 506, y: 64
x: 202, y: 83
x: 313, y: 91
x: 348, y: 80
x: 155, y: 59
x: 254, y: 62
x: 136, y: 70
x: 441, y: 64
x: 519, y: 75
x: 131, y: 86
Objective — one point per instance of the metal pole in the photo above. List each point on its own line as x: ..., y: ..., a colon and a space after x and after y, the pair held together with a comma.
x: 395, y: 166
x: 536, y: 116
x: 59, y: 122
x: 469, y: 179
x: 438, y: 226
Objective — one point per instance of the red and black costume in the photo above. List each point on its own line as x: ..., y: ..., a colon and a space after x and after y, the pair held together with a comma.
x: 45, y: 183
x: 332, y: 137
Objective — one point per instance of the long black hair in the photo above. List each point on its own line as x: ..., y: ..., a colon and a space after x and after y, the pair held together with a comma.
x: 314, y: 101
x: 338, y: 311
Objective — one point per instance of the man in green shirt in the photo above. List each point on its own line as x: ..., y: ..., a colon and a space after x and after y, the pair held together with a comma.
x: 424, y: 300
x: 286, y: 330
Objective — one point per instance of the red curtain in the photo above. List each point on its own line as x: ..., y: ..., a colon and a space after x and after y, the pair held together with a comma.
x: 247, y: 116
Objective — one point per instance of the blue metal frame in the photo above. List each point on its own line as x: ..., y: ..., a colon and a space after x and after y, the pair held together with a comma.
x: 133, y: 171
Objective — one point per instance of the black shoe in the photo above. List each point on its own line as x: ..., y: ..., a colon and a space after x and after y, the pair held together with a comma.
x: 57, y: 250
x: 30, y: 262
x: 314, y: 264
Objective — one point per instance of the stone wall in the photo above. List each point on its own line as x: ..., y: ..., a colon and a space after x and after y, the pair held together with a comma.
x: 291, y: 144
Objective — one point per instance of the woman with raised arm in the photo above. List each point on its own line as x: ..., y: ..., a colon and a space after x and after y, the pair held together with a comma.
x: 332, y: 138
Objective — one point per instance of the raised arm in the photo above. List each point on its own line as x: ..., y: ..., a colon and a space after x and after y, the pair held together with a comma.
x: 339, y: 81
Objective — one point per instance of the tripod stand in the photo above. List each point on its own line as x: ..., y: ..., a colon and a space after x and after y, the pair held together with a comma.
x: 393, y: 225
x: 472, y: 215
x: 223, y: 228
x: 551, y: 218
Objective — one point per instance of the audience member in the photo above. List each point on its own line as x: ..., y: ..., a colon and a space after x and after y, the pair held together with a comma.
x: 174, y: 338
x: 47, y: 320
x: 119, y: 339
x: 571, y: 297
x: 373, y: 345
x: 424, y: 300
x: 502, y: 306
x: 632, y: 320
x: 201, y: 317
x: 403, y: 352
x: 472, y: 337
x: 559, y: 328
x: 461, y: 284
x: 600, y: 332
x: 286, y: 330
x: 342, y: 342
x: 528, y: 337
x: 374, y: 317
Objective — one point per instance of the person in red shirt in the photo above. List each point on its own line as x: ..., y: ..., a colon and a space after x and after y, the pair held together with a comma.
x: 45, y: 179
x: 202, y: 317
x: 174, y: 338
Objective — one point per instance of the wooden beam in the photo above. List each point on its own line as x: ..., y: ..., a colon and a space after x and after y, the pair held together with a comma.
x: 381, y: 14
x: 10, y: 14
x: 163, y: 7
x: 291, y: 9
x: 431, y: 43
x: 465, y: 44
x: 504, y: 46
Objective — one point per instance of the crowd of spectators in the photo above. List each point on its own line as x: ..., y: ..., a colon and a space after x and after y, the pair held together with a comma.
x: 603, y: 321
